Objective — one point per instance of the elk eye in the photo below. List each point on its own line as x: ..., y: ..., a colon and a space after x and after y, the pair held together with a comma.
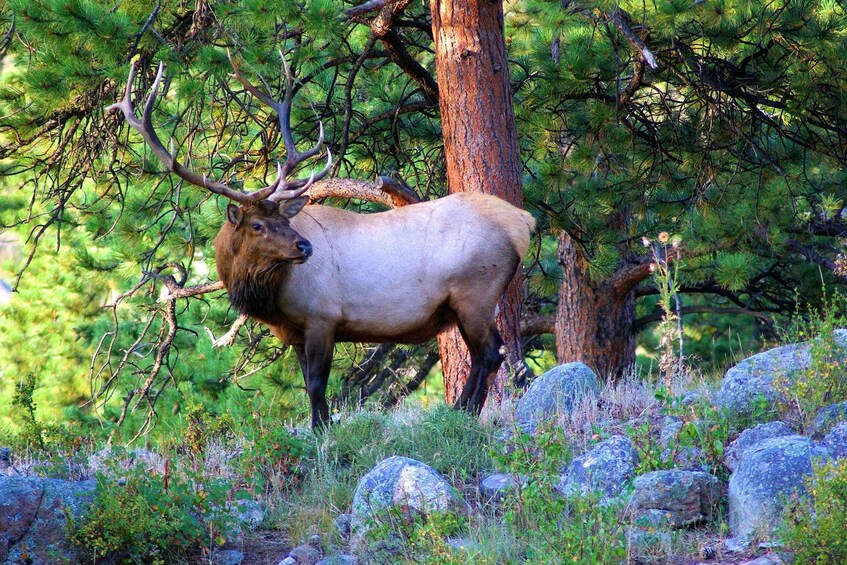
x: 257, y: 226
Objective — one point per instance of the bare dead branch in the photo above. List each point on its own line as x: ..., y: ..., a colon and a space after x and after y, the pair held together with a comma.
x: 187, y: 292
x: 229, y: 337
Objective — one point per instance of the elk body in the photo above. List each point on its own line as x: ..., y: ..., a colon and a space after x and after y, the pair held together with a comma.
x: 318, y: 275
x: 325, y: 275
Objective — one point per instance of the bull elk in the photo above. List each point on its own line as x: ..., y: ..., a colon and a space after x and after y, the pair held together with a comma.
x: 318, y: 275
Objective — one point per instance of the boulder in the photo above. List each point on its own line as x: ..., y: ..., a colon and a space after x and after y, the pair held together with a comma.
x: 227, y: 557
x: 493, y: 488
x: 340, y: 559
x: 769, y: 476
x: 751, y: 437
x: 606, y: 468
x: 342, y: 525
x: 555, y: 392
x: 685, y: 457
x: 755, y: 376
x: 308, y: 553
x: 827, y: 417
x: 836, y: 440
x: 675, y: 498
x: 33, y: 518
x: 402, y: 485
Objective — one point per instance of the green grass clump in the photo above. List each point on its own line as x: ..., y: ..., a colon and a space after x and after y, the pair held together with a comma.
x: 814, y: 528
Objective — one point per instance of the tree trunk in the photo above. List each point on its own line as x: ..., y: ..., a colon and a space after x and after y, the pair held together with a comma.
x: 595, y: 319
x: 481, y: 149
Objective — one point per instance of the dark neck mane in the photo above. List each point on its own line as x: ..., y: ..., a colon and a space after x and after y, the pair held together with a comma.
x: 255, y: 293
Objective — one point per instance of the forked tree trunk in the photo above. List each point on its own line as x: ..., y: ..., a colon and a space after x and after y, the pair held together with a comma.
x: 481, y: 148
x: 595, y: 319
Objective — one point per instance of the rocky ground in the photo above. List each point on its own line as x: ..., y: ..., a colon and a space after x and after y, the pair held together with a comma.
x: 762, y: 469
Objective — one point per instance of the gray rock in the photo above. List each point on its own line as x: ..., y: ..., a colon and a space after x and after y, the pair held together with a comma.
x: 462, y: 544
x: 827, y: 417
x: 643, y: 543
x: 402, y: 485
x: 342, y: 524
x: 606, y: 468
x: 751, y: 437
x: 307, y: 554
x: 685, y: 457
x: 769, y: 559
x: 674, y: 498
x: 555, y: 392
x: 340, y: 559
x: 288, y: 561
x: 6, y: 467
x: 736, y: 545
x: 494, y: 487
x: 770, y: 474
x: 669, y: 429
x: 33, y: 518
x: 836, y: 440
x: 227, y: 557
x: 755, y: 376
x: 249, y: 513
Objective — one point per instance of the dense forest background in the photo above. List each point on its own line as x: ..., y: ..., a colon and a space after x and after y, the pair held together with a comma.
x: 692, y: 150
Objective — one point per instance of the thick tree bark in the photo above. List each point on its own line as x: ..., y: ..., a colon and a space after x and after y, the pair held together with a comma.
x: 595, y: 319
x: 481, y: 148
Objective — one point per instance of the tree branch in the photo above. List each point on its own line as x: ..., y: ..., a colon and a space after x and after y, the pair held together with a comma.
x: 384, y: 191
x: 640, y: 323
x: 383, y: 28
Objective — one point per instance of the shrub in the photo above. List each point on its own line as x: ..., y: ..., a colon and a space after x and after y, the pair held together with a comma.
x: 141, y: 517
x: 823, y: 382
x: 549, y: 527
x: 814, y: 528
x: 275, y: 458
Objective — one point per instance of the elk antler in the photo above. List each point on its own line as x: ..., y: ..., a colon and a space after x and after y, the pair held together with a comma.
x: 280, y: 189
x: 287, y: 189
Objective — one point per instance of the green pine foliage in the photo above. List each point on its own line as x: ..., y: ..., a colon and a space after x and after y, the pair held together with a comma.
x: 730, y: 142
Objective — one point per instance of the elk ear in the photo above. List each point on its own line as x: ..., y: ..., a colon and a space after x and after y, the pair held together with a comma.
x: 290, y: 208
x: 234, y: 215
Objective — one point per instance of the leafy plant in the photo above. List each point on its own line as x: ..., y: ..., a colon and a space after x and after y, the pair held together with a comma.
x: 823, y: 382
x: 652, y: 456
x: 275, y: 458
x: 552, y: 528
x: 141, y: 517
x: 814, y: 528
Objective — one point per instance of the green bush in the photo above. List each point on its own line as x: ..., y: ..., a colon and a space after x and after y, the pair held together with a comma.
x: 548, y: 527
x: 814, y: 528
x: 142, y: 517
x: 276, y: 459
x: 823, y: 383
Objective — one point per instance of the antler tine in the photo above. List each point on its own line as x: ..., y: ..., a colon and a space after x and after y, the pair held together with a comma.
x: 286, y: 189
x: 144, y: 126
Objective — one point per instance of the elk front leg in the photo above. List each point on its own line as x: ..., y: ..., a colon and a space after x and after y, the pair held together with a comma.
x: 315, y: 358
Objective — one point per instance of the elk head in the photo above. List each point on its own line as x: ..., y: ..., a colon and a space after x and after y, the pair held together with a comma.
x: 262, y: 230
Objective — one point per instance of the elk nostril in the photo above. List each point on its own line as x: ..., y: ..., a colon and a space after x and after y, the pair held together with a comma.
x: 305, y: 248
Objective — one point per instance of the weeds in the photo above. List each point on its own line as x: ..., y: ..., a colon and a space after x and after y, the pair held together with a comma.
x: 823, y: 383
x: 814, y: 528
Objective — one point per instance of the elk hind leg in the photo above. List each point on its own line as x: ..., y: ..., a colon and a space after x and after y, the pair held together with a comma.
x: 483, y: 341
x: 491, y: 360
